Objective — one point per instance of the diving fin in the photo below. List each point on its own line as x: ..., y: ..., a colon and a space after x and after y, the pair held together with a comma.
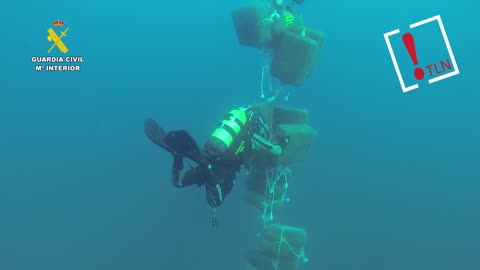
x: 185, y: 145
x: 157, y: 135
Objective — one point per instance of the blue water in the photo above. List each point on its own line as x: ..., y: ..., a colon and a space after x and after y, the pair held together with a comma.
x: 391, y: 182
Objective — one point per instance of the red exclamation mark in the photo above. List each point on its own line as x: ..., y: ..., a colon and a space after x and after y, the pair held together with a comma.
x: 410, y: 44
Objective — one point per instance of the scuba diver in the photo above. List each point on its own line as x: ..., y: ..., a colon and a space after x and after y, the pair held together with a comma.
x: 281, y: 14
x: 242, y: 138
x: 283, y: 5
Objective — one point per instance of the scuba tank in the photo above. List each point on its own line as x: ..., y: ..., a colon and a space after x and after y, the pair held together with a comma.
x: 228, y: 139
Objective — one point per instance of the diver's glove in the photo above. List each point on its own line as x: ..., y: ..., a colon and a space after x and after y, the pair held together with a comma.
x: 276, y: 150
x: 282, y: 141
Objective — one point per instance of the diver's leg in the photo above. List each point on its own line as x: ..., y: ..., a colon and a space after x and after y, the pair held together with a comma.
x: 184, y: 177
x: 217, y: 191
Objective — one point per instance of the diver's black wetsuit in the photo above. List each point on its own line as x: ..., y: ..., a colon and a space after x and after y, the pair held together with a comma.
x: 216, y: 171
x: 218, y: 178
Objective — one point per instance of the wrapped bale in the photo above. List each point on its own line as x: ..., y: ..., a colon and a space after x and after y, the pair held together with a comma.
x: 291, y: 116
x: 280, y: 248
x: 287, y: 123
x: 265, y: 203
x: 249, y: 26
x: 294, y: 236
x: 300, y: 139
x: 319, y: 37
x: 295, y: 55
x: 266, y: 192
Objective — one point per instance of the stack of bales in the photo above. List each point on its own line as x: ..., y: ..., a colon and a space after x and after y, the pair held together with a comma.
x: 294, y: 52
x: 267, y: 182
x: 280, y: 247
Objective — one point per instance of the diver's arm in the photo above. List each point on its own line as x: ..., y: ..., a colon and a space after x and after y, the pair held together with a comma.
x: 260, y: 143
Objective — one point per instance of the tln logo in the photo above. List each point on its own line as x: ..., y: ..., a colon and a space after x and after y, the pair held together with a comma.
x: 425, y: 53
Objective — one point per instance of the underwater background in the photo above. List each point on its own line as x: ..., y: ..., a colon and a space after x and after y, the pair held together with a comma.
x: 392, y: 181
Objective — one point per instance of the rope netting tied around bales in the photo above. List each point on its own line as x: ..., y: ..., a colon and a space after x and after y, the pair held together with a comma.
x: 266, y: 78
x: 280, y: 247
x: 300, y: 254
x: 275, y: 177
